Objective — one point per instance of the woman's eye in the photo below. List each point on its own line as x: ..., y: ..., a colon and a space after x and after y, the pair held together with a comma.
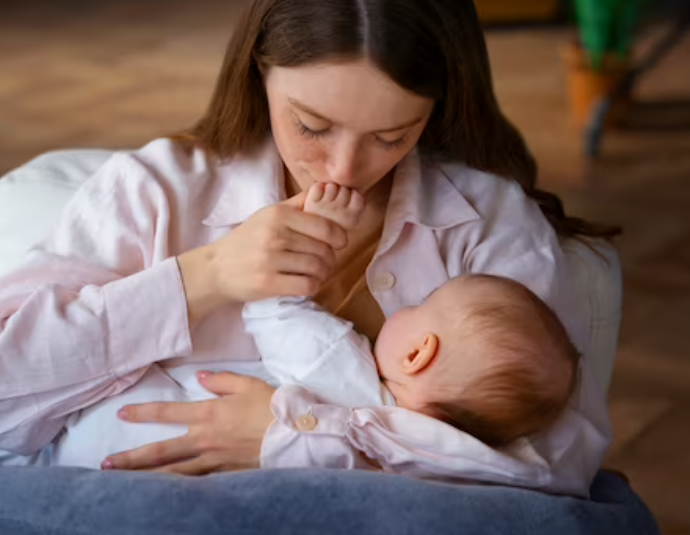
x: 308, y: 132
x: 391, y: 145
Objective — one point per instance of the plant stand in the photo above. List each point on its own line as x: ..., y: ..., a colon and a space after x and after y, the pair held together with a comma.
x: 623, y: 88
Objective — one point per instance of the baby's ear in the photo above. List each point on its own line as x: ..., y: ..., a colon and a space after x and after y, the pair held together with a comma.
x: 423, y: 355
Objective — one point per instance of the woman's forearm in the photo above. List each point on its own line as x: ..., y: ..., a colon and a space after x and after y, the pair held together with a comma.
x: 64, y: 343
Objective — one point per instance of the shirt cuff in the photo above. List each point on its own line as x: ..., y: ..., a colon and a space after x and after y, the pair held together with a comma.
x: 147, y: 318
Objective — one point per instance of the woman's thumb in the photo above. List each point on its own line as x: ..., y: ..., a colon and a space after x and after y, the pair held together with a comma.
x: 223, y: 383
x: 296, y: 201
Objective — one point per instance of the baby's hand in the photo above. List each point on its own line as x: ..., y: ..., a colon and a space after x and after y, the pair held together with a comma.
x: 341, y: 205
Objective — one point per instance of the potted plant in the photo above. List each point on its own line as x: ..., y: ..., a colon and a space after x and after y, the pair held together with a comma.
x: 600, y: 56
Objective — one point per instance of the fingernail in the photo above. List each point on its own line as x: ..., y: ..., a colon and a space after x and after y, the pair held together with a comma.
x: 203, y: 375
x: 107, y: 465
x: 122, y: 414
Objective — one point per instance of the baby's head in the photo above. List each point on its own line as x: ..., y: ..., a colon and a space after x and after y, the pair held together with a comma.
x: 483, y: 354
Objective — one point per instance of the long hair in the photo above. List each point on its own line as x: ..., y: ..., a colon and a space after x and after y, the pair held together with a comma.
x: 434, y: 48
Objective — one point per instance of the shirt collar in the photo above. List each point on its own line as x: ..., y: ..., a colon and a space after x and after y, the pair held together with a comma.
x: 250, y: 184
x: 421, y: 193
x: 424, y: 195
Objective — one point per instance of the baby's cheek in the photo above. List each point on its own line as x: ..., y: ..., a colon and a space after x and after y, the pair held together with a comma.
x: 380, y: 350
x: 386, y: 362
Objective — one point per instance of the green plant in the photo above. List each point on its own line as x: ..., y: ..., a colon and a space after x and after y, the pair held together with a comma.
x: 607, y: 28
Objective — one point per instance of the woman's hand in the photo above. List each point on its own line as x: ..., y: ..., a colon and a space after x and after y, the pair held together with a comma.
x: 223, y: 434
x: 280, y: 250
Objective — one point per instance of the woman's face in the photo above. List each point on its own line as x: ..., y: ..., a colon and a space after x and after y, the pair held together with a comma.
x: 345, y: 123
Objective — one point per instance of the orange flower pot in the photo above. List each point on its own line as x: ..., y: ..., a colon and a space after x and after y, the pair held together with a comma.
x: 586, y: 87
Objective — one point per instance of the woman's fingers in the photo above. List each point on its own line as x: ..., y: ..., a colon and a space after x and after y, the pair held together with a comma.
x: 314, y: 226
x: 153, y: 455
x: 295, y: 285
x: 251, y: 262
x: 295, y: 242
x: 224, y: 383
x: 198, y: 466
x: 231, y: 384
x: 167, y: 412
x: 306, y: 265
x: 223, y: 434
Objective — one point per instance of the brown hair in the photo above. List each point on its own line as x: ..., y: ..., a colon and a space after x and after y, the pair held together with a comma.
x: 434, y: 48
x: 520, y: 395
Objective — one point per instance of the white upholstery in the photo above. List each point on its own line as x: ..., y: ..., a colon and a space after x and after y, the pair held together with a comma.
x: 32, y: 196
x: 597, y: 278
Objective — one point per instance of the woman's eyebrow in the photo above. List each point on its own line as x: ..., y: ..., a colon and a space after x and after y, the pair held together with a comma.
x: 405, y: 125
x: 311, y: 111
x: 307, y: 109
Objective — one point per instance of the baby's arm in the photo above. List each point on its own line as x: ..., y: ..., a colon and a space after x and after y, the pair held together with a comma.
x: 302, y: 344
x: 308, y: 433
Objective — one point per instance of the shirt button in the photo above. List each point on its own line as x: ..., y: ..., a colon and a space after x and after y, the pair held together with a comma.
x: 306, y: 422
x: 385, y: 281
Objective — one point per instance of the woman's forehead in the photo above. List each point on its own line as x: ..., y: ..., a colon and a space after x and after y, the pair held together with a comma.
x: 352, y: 93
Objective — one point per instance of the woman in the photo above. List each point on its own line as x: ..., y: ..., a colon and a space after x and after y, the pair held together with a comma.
x: 154, y: 256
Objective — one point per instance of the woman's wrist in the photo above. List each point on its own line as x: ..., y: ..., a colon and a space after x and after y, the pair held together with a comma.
x: 198, y: 279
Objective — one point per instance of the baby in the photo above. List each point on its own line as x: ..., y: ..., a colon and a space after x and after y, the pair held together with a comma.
x: 482, y: 353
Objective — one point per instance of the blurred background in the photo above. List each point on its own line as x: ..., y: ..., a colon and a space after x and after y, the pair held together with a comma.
x: 118, y: 73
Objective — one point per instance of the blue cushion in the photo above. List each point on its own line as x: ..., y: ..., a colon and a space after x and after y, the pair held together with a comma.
x: 73, y: 501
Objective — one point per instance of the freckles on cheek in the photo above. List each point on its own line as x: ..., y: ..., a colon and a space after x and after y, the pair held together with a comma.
x: 309, y: 152
x: 309, y: 158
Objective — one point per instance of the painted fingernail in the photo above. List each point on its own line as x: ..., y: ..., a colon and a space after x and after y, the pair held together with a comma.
x: 107, y: 465
x: 204, y: 375
x: 122, y: 414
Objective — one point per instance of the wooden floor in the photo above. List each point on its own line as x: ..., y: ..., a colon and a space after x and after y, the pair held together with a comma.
x: 116, y: 74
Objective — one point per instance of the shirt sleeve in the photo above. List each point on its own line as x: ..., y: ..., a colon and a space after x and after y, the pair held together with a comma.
x: 302, y: 344
x: 308, y: 433
x: 81, y: 320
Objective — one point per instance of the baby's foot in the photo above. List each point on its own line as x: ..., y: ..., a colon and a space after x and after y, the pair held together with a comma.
x: 341, y: 205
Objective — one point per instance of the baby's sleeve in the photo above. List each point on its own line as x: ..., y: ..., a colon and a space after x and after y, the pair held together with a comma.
x: 302, y: 344
x: 307, y: 432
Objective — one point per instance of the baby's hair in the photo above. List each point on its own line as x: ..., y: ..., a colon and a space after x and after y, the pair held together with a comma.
x: 519, y: 395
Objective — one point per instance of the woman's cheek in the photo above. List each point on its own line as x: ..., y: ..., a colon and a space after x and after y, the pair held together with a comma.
x: 379, y: 168
x: 310, y: 160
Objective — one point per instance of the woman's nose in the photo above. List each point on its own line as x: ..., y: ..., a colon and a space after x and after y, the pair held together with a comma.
x: 342, y: 164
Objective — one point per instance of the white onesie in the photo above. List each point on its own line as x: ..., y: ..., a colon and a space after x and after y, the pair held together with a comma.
x: 299, y: 344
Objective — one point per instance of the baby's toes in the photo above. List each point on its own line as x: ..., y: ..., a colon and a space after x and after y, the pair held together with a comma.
x: 356, y: 203
x: 343, y: 198
x: 315, y: 193
x: 330, y: 192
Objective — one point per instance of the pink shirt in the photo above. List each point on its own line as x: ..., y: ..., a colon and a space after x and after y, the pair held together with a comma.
x: 102, y: 298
